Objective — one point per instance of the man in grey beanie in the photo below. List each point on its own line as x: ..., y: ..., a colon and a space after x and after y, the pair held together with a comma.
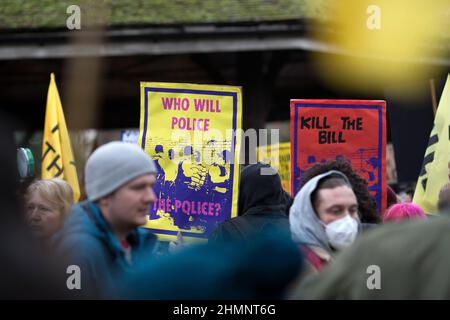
x: 101, y: 235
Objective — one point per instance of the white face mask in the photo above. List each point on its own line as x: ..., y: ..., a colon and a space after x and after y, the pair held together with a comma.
x: 342, y: 232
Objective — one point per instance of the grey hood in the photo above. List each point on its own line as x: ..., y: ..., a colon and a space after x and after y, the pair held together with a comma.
x: 304, y: 223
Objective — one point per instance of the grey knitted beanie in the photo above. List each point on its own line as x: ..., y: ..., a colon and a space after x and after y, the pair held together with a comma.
x: 114, y: 164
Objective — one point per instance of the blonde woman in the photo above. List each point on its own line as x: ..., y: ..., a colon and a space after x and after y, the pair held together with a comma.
x: 47, y: 205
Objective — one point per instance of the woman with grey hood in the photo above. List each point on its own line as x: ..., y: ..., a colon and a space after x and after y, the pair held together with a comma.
x: 324, y: 218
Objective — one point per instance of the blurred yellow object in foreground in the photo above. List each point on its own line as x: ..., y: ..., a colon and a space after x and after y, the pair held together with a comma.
x: 383, y: 41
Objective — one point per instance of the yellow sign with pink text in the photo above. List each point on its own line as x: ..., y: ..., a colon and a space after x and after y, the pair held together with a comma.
x: 193, y: 133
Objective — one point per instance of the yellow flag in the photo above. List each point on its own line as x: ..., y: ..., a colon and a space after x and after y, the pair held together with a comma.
x: 57, y: 156
x: 434, y: 174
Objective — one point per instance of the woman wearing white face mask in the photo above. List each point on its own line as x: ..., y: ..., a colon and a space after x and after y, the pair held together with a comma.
x: 324, y: 218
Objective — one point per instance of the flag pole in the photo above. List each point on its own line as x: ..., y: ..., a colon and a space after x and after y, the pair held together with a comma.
x: 433, y: 96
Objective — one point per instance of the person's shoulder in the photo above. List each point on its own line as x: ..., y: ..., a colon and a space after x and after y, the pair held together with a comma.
x: 146, y: 237
x: 82, y: 242
x: 79, y: 231
x: 363, y: 227
x: 232, y: 224
x: 77, y: 215
x: 433, y: 231
x: 225, y: 231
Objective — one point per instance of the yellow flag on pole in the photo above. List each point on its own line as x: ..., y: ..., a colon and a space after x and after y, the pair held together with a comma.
x: 434, y: 174
x: 57, y: 156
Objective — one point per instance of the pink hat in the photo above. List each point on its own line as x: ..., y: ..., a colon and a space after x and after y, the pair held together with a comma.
x: 403, y: 211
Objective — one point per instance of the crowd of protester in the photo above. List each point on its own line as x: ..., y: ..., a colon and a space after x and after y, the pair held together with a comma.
x: 317, y: 244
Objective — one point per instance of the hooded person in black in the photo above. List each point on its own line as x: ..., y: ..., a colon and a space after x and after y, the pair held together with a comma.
x: 263, y: 206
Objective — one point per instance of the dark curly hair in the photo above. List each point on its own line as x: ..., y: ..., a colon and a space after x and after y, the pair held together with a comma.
x: 366, y: 204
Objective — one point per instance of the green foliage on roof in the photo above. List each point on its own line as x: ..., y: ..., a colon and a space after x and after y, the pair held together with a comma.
x: 39, y: 14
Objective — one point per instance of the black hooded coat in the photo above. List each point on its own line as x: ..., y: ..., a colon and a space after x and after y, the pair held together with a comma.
x: 263, y: 207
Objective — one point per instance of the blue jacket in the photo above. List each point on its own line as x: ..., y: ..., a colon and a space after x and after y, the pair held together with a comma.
x: 87, y: 241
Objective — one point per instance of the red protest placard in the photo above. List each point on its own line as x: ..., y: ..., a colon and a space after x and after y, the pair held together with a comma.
x: 353, y: 130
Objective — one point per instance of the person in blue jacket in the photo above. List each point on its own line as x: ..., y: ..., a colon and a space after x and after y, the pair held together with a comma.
x: 101, y: 236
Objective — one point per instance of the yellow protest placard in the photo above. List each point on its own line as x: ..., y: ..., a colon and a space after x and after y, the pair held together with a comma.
x: 193, y: 134
x: 279, y: 157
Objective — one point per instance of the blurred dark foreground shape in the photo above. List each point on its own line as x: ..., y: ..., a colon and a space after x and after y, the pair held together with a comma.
x: 260, y: 269
x: 25, y: 271
x: 410, y: 259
